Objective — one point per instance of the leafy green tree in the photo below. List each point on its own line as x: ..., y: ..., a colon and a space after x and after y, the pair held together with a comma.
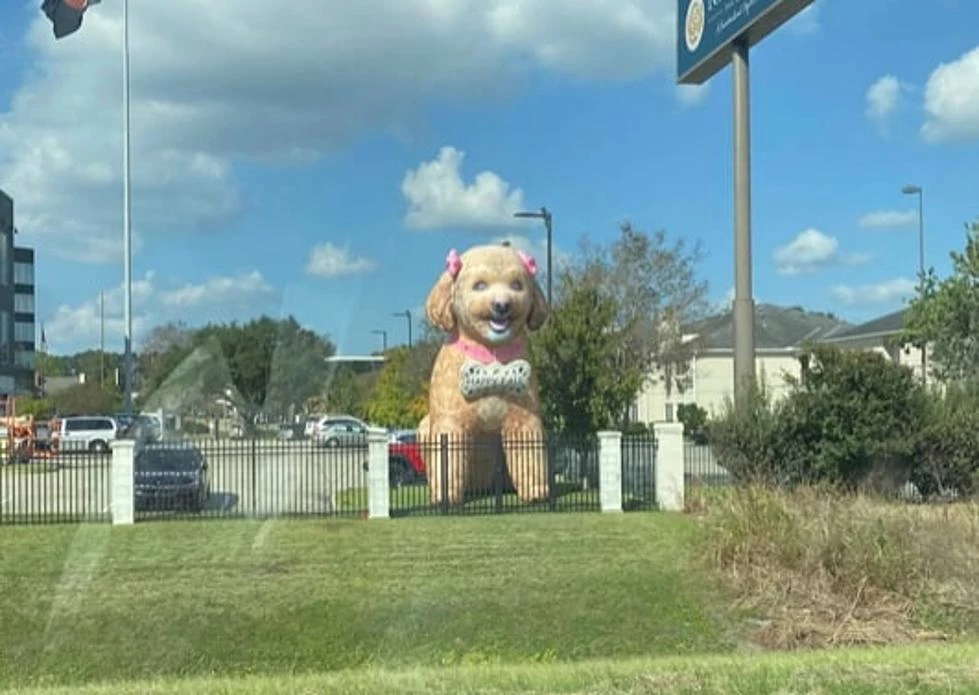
x: 851, y: 416
x: 399, y: 398
x: 574, y: 361
x: 945, y: 315
x: 263, y: 365
x: 850, y: 421
x: 615, y: 323
x: 945, y: 453
x: 693, y: 417
x: 39, y: 408
x: 86, y: 399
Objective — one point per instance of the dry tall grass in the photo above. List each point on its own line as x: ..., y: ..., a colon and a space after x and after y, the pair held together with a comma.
x: 821, y: 569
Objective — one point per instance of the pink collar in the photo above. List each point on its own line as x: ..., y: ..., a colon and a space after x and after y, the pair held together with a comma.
x: 485, y: 355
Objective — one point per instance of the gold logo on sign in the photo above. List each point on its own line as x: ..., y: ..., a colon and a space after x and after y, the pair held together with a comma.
x: 694, y: 24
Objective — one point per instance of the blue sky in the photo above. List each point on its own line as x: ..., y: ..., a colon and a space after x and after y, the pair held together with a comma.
x: 260, y: 138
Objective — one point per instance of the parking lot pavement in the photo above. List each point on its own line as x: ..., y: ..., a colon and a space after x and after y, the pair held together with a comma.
x: 280, y: 481
x: 70, y: 490
x: 269, y: 480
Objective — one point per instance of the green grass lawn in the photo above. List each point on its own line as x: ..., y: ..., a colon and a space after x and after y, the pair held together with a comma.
x: 921, y: 670
x: 413, y: 500
x: 182, y: 599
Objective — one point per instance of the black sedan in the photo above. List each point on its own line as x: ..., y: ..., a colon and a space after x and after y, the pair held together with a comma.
x: 171, y: 476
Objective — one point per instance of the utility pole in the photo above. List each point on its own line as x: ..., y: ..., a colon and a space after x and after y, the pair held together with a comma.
x: 102, y: 339
x: 384, y: 338
x: 407, y: 315
x: 918, y: 191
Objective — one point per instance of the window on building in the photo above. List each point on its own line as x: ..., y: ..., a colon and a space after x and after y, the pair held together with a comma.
x: 5, y: 251
x: 24, y: 358
x: 23, y: 332
x: 24, y: 303
x: 24, y: 273
x: 669, y: 412
x: 5, y: 323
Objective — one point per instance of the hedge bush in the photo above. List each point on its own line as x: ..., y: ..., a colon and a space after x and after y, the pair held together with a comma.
x: 945, y: 449
x: 854, y: 419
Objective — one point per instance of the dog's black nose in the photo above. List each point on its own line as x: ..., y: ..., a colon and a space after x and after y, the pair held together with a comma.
x: 501, y: 308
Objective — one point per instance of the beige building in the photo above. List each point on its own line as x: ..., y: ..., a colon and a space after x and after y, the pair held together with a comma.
x: 881, y: 335
x: 707, y: 377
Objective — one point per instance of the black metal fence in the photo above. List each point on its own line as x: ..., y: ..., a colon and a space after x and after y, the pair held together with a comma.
x: 493, y: 474
x: 63, y: 488
x: 701, y: 468
x: 638, y: 472
x: 249, y: 477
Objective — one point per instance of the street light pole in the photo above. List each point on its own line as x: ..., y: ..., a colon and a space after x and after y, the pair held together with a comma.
x: 407, y: 314
x: 918, y: 191
x: 384, y: 338
x: 127, y: 246
x: 544, y: 214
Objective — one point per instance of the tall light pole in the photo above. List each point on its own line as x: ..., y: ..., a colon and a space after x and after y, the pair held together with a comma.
x: 743, y: 309
x: 407, y: 314
x: 127, y: 232
x: 543, y: 214
x: 66, y: 18
x: 917, y: 190
x: 384, y: 338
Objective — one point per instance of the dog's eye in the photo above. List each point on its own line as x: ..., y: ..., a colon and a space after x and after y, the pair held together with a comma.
x: 516, y: 286
x: 480, y: 285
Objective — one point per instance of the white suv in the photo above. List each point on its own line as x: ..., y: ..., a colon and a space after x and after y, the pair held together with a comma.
x: 340, y: 430
x: 86, y: 433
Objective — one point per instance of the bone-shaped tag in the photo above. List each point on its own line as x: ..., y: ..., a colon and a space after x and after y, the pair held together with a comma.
x: 477, y: 380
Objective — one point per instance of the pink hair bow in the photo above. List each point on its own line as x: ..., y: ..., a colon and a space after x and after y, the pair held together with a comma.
x: 453, y: 263
x: 528, y: 262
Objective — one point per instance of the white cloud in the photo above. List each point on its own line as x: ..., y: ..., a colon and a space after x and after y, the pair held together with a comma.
x: 73, y: 327
x: 328, y: 260
x: 218, y: 290
x: 883, y: 97
x: 438, y: 197
x: 811, y: 251
x: 238, y: 80
x: 888, y: 219
x: 879, y: 293
x: 952, y: 100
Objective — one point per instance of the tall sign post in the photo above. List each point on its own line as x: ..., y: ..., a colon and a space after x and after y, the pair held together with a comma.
x: 711, y: 34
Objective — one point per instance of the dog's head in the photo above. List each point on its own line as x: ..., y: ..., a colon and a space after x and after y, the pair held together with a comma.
x: 488, y: 294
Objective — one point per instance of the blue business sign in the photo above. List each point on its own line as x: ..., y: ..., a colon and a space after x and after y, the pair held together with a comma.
x: 706, y: 29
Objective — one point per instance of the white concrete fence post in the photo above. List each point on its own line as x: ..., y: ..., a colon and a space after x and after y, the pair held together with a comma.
x: 378, y: 475
x: 669, y: 466
x: 610, y: 471
x: 121, y: 482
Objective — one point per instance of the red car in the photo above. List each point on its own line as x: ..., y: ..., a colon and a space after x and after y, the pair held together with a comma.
x: 407, y: 465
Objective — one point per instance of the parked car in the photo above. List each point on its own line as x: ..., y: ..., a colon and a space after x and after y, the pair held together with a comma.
x: 340, y: 430
x: 405, y: 460
x: 85, y: 433
x: 173, y: 475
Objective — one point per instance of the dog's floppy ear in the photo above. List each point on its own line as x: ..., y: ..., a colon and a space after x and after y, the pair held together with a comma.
x: 539, y: 309
x: 438, y: 306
